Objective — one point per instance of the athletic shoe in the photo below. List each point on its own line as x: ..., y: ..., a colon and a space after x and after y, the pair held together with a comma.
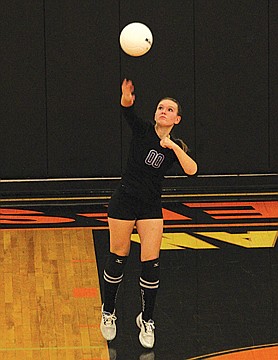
x: 146, y: 335
x: 108, y: 325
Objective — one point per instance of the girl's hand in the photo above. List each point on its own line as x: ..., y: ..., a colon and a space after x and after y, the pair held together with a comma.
x: 127, y: 93
x: 189, y: 165
x: 167, y: 143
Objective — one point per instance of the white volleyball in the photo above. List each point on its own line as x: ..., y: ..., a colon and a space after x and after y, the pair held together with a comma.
x: 136, y: 39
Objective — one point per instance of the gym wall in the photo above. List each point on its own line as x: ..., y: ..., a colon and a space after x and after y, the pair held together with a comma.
x: 61, y: 70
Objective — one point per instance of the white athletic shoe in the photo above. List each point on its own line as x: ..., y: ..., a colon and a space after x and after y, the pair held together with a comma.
x: 146, y: 335
x: 108, y: 325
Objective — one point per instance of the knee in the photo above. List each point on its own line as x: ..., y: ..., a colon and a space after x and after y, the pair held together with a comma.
x: 120, y: 251
x: 120, y: 248
x: 115, y: 264
x: 151, y: 270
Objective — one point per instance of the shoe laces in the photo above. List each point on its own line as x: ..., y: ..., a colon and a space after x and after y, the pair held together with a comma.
x: 149, y: 326
x: 108, y: 318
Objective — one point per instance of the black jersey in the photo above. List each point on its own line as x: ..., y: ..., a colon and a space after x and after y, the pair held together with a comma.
x: 148, y: 161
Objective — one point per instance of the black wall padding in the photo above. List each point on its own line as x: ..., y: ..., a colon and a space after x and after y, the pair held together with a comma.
x: 232, y: 86
x: 83, y: 86
x: 273, y: 86
x: 61, y: 70
x: 22, y: 90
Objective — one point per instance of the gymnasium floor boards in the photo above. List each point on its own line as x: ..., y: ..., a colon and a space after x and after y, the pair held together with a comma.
x: 49, y: 294
x: 219, y: 280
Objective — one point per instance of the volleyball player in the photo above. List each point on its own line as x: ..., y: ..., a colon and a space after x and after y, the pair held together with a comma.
x: 137, y: 202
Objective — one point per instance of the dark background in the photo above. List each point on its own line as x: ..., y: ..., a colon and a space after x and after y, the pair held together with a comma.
x: 61, y: 69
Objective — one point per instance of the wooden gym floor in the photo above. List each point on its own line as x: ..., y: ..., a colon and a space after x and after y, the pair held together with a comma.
x: 218, y: 295
x: 50, y: 296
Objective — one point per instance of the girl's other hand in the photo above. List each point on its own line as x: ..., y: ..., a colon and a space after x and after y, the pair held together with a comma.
x: 127, y: 93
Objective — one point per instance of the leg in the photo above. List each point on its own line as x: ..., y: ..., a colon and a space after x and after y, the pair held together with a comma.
x: 150, y: 232
x: 120, y: 232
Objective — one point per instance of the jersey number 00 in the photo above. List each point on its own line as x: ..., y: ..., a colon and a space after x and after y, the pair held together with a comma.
x: 154, y: 159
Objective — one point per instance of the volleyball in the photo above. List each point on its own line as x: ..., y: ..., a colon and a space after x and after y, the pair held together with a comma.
x: 136, y: 39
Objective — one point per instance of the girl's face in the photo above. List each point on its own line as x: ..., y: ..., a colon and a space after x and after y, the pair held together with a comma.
x: 167, y: 113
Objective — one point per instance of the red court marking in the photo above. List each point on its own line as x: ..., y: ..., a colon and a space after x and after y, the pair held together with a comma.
x: 265, y: 353
x: 94, y: 215
x: 267, y: 209
x: 98, y: 216
x: 85, y: 292
x: 25, y: 217
x: 239, y: 214
x: 234, y: 211
x: 171, y: 215
x: 32, y: 219
x: 96, y: 326
x: 4, y: 211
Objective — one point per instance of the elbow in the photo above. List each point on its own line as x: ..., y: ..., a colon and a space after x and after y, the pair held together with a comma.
x: 192, y: 170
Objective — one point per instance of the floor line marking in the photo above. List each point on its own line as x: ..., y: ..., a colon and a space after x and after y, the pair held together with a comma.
x: 230, y: 351
x: 163, y: 196
x: 178, y: 226
x: 52, y: 348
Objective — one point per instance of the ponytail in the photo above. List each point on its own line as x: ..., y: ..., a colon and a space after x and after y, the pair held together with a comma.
x: 182, y: 144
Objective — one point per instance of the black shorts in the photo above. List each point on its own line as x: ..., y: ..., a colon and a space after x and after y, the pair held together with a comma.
x: 128, y: 207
